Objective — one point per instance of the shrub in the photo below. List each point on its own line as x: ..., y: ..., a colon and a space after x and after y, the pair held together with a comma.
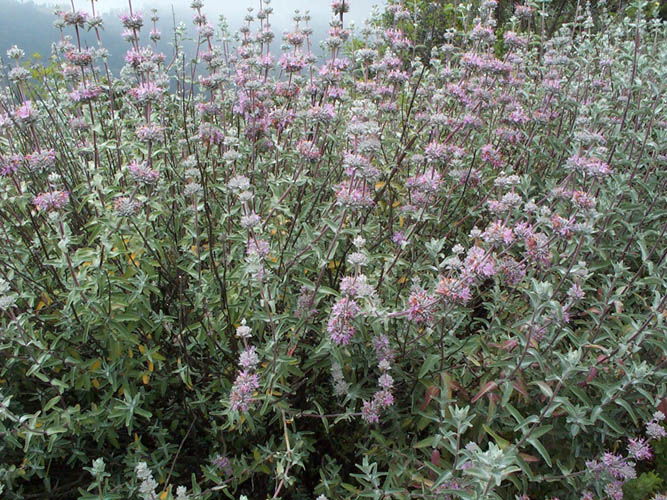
x: 256, y: 275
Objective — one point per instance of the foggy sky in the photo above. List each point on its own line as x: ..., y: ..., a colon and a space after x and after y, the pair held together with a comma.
x: 233, y: 10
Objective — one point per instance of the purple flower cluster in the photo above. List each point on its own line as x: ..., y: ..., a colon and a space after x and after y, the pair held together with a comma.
x: 258, y: 247
x: 354, y: 194
x: 210, y: 134
x: 491, y: 155
x: 26, y: 114
x: 497, y: 233
x: 150, y: 133
x: 146, y: 93
x: 223, y: 464
x: 10, y: 165
x: 478, y: 263
x: 292, y: 63
x: 654, y: 429
x: 74, y: 18
x: 340, y: 326
x: 242, y: 395
x: 85, y: 93
x: 133, y: 21
x: 420, y: 306
x: 51, y: 200
x: 590, y: 165
x: 424, y: 187
x: 142, y: 173
x: 305, y: 304
x: 614, y: 470
x: 125, y: 206
x: 383, y: 397
x: 79, y: 58
x: 309, y: 150
x: 453, y: 290
x: 41, y: 161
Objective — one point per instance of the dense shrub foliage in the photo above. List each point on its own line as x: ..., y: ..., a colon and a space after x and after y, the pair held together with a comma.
x: 259, y: 274
x: 431, y: 21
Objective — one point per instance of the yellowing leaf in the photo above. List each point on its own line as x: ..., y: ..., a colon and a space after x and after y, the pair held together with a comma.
x: 402, y: 279
x: 45, y: 301
x: 500, y: 441
x: 96, y: 365
x: 380, y: 185
x: 150, y: 366
x: 163, y: 495
x: 96, y: 383
x: 426, y: 482
x: 142, y: 349
x: 145, y: 379
x: 474, y: 361
x: 401, y: 220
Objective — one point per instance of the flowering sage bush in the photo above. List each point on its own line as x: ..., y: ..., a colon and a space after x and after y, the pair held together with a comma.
x: 261, y: 273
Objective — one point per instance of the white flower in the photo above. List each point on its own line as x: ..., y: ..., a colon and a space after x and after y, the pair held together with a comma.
x: 181, y: 493
x: 142, y: 471
x: 245, y: 196
x: 359, y: 242
x: 243, y: 331
x: 239, y: 183
x: 340, y: 386
x: 7, y: 301
x: 192, y: 188
x: 4, y: 287
x: 357, y: 259
x: 252, y: 220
